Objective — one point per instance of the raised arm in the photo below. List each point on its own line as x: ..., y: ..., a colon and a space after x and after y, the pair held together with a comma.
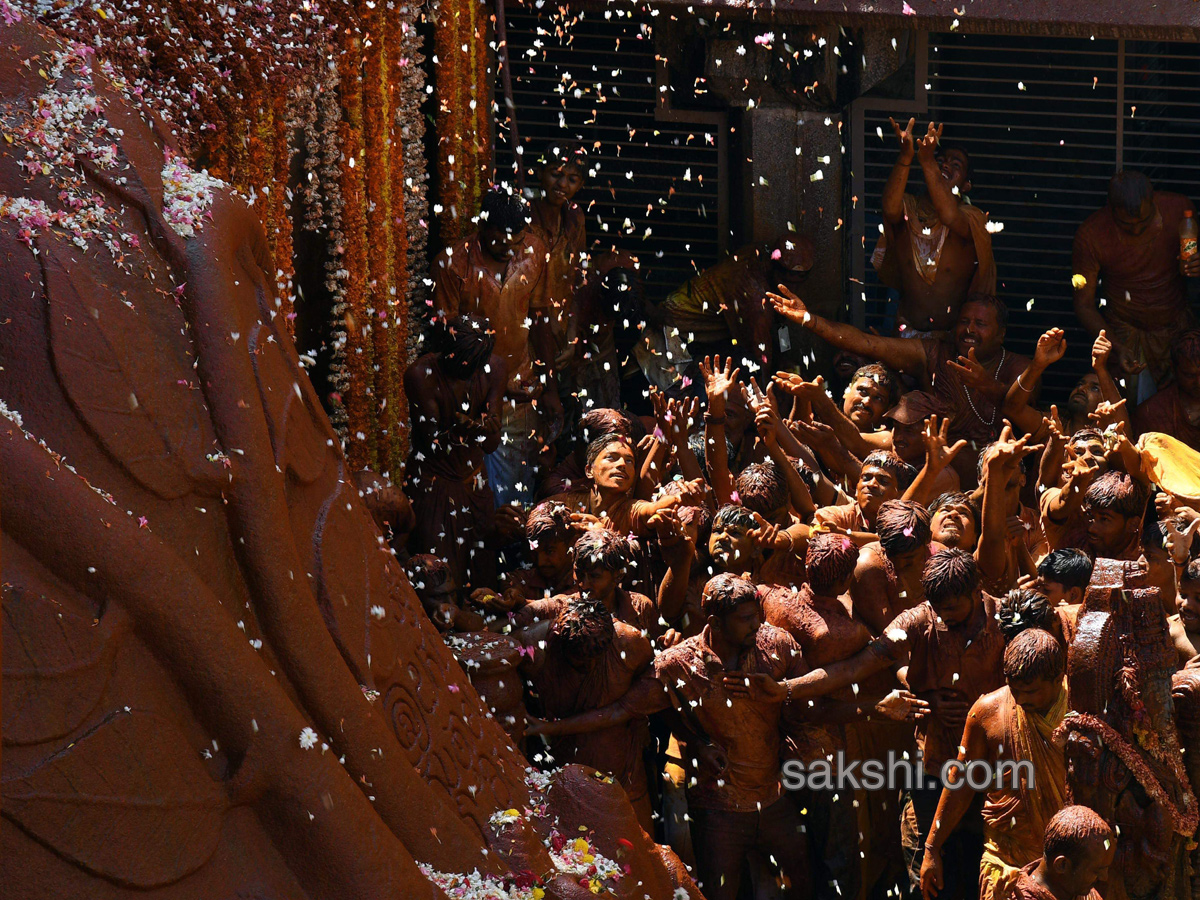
x: 1051, y: 347
x: 893, y: 191
x: 718, y: 382
x: 904, y: 354
x: 826, y: 409
x: 678, y: 553
x: 948, y: 207
x: 938, y: 456
x: 1006, y: 455
x: 769, y: 424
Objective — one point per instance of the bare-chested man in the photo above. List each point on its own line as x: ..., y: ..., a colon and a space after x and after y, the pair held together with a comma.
x: 1077, y: 850
x: 969, y: 372
x: 1015, y: 723
x: 887, y: 577
x: 935, y: 249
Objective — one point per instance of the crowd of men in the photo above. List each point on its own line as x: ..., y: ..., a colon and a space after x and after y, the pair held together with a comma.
x: 714, y: 565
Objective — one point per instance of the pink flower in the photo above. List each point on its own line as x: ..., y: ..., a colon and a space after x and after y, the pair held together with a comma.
x: 908, y: 10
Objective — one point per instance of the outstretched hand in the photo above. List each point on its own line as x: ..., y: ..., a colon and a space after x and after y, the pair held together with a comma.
x: 974, y: 375
x: 904, y: 136
x: 1007, y: 452
x: 718, y: 381
x: 903, y: 706
x: 769, y: 535
x: 927, y: 148
x: 788, y: 305
x: 936, y: 437
x: 1051, y: 347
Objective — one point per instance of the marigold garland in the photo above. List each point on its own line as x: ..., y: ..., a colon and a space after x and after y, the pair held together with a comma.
x: 242, y: 88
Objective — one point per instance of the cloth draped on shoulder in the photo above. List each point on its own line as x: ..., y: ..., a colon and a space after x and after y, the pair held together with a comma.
x: 927, y: 249
x: 1014, y: 821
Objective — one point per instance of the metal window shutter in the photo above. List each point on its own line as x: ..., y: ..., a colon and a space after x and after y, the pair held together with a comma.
x: 658, y: 175
x: 1041, y: 135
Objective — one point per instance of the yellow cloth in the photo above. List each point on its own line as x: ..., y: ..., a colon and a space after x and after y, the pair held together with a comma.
x: 1014, y: 822
x: 1172, y: 465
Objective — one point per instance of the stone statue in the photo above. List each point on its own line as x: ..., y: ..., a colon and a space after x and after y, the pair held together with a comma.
x: 217, y: 681
x: 1122, y: 745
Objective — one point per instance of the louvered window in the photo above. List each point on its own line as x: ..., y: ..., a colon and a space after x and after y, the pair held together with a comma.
x: 1041, y: 118
x: 658, y: 192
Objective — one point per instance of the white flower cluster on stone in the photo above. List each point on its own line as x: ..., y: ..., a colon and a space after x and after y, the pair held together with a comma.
x: 187, y: 196
x: 477, y: 887
x: 581, y: 859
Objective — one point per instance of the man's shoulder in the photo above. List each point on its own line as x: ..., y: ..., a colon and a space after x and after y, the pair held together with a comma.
x: 776, y: 640
x: 910, y: 622
x: 1098, y: 222
x: 679, y: 656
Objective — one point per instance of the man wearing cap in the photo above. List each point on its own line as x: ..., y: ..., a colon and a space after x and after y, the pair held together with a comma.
x: 907, y: 419
x: 728, y: 302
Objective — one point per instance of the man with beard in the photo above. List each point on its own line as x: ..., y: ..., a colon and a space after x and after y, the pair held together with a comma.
x: 1175, y: 410
x: 955, y: 521
x: 1015, y: 724
x: 935, y: 248
x: 969, y: 372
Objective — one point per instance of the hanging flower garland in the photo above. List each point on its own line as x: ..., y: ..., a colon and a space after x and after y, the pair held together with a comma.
x: 462, y: 42
x: 243, y: 87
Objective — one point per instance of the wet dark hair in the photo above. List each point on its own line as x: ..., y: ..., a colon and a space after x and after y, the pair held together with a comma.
x: 1192, y: 572
x: 1118, y: 492
x: 463, y: 344
x: 504, y: 210
x: 724, y: 593
x: 1088, y: 434
x: 1070, y: 832
x: 564, y: 153
x: 597, y: 422
x: 731, y: 514
x: 902, y: 526
x: 949, y: 574
x: 958, y: 498
x: 1128, y: 191
x: 549, y: 522
x: 1068, y: 566
x: 890, y: 462
x: 829, y: 560
x: 882, y: 376
x: 596, y: 447
x: 1021, y: 609
x: 601, y: 550
x: 584, y: 629
x: 994, y: 302
x: 762, y: 488
x: 1034, y: 654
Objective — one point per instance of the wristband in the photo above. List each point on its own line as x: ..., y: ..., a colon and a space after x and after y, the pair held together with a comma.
x: 1021, y: 385
x: 713, y: 420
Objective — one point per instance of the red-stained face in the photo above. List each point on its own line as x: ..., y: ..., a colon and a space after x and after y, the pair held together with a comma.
x: 552, y: 559
x: 614, y: 467
x: 741, y: 626
x: 864, y: 403
x: 1085, y: 396
x: 561, y: 184
x: 875, y: 486
x: 1187, y: 604
x: 908, y: 443
x: 1036, y: 695
x: 500, y: 245
x: 1187, y: 375
x: 1140, y: 222
x: 598, y: 584
x: 978, y: 329
x: 1109, y: 532
x: 953, y: 164
x: 956, y: 611
x: 954, y: 526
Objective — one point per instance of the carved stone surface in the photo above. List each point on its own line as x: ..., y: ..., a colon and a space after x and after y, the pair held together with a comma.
x: 217, y: 681
x: 1123, y: 750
